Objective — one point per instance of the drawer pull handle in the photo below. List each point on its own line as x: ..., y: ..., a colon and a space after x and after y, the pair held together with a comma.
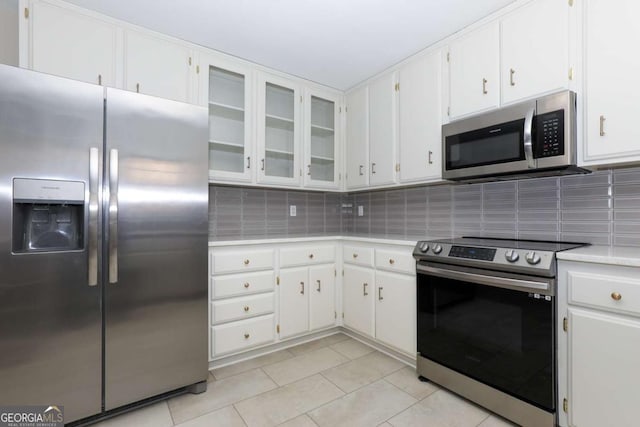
x: 392, y: 261
x: 246, y: 262
x: 616, y: 296
x: 246, y: 336
x: 318, y: 281
x: 364, y: 289
x: 355, y: 256
x: 246, y: 308
x: 246, y: 285
x: 380, y: 293
x: 302, y: 288
x: 310, y: 256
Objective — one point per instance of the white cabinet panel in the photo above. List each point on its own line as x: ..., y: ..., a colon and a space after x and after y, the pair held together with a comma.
x: 603, y: 369
x: 395, y: 260
x: 158, y: 67
x: 396, y: 310
x: 612, y: 91
x: 359, y: 255
x: 358, y: 290
x: 535, y: 61
x: 242, y: 284
x: 382, y: 130
x: 307, y: 255
x: 474, y: 72
x: 604, y: 292
x: 70, y: 44
x: 322, y: 299
x: 420, y: 109
x: 357, y: 141
x: 239, y: 308
x: 238, y: 336
x: 294, y: 301
x: 230, y: 261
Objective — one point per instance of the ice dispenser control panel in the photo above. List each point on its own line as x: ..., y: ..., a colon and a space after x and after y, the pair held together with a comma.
x: 48, y: 215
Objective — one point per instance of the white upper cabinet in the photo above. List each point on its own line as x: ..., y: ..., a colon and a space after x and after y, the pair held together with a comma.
x: 612, y: 66
x: 535, y: 49
x: 382, y: 130
x: 156, y: 66
x: 226, y: 89
x: 357, y: 141
x: 322, y: 122
x: 474, y: 72
x: 71, y: 44
x: 279, y: 129
x: 420, y: 118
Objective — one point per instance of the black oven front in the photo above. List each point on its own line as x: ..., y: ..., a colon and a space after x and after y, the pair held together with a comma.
x: 493, y: 327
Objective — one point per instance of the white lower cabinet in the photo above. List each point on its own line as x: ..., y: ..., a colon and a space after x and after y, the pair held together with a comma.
x: 322, y: 296
x: 236, y: 336
x: 396, y: 310
x: 598, y: 344
x: 358, y: 289
x: 294, y: 301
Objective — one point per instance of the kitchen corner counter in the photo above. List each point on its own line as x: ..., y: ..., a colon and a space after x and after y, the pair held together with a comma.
x: 612, y: 255
x: 343, y: 238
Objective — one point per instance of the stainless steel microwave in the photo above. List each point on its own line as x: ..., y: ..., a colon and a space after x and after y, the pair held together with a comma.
x: 532, y: 138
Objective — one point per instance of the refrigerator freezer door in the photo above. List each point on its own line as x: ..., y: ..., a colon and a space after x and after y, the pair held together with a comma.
x: 50, y: 320
x: 156, y: 309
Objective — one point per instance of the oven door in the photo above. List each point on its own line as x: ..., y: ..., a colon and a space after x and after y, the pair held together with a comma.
x: 497, y: 328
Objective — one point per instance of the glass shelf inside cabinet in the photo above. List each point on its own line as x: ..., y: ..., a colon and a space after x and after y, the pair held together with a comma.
x: 322, y: 139
x: 226, y: 120
x: 279, y: 131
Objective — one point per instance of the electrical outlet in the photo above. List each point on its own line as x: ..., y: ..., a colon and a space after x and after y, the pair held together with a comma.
x: 292, y: 210
x: 360, y: 210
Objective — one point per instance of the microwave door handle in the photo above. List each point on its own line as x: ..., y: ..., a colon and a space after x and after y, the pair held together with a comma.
x: 528, y: 139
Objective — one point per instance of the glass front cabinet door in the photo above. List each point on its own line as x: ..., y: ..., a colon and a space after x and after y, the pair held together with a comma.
x: 279, y: 130
x: 226, y: 90
x: 321, y: 139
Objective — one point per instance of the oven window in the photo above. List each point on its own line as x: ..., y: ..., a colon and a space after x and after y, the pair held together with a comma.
x: 495, y: 144
x: 500, y: 337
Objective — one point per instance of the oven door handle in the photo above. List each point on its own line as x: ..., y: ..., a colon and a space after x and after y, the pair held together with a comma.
x: 528, y: 139
x: 481, y: 279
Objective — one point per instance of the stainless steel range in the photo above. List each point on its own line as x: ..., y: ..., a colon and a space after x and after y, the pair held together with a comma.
x: 486, y: 323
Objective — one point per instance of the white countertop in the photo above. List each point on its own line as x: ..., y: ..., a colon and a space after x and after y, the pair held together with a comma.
x: 375, y: 240
x: 613, y: 255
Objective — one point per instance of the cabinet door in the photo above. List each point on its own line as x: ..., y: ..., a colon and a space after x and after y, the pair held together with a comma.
x: 534, y: 61
x: 322, y: 303
x: 612, y: 90
x: 358, y: 290
x: 420, y: 108
x: 321, y: 139
x: 474, y: 71
x: 294, y: 301
x: 279, y: 103
x: 382, y: 130
x: 158, y: 67
x: 603, y: 369
x: 396, y: 310
x: 226, y: 89
x: 70, y: 44
x: 357, y: 142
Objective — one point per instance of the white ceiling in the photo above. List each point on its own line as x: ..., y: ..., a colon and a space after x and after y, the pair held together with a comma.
x: 338, y: 43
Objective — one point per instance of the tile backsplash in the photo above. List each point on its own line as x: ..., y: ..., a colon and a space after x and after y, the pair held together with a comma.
x: 600, y: 208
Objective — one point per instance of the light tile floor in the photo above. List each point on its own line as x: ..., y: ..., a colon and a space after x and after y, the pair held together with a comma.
x: 333, y: 381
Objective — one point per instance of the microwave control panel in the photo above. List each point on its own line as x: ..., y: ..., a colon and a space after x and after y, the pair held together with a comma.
x: 550, y: 134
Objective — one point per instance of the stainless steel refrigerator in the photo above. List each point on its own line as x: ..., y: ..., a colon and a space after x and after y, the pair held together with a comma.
x: 103, y: 245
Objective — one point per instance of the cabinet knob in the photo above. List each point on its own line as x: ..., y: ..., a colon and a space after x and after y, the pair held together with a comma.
x: 616, y: 296
x: 310, y: 256
x: 246, y: 336
x: 246, y: 285
x: 355, y: 256
x: 392, y: 261
x: 246, y: 262
x: 246, y: 308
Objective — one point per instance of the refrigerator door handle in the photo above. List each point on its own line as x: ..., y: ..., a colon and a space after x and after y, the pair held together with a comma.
x: 113, y: 216
x: 94, y: 170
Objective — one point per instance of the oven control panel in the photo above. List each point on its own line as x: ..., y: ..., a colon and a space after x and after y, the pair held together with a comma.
x: 484, y: 254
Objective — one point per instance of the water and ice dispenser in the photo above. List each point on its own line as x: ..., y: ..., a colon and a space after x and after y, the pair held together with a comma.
x: 48, y: 215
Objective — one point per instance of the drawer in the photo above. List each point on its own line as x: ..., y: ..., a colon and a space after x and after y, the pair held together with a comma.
x: 237, y: 336
x: 242, y: 284
x: 612, y: 293
x: 307, y: 255
x: 394, y: 260
x: 241, y: 308
x: 359, y: 255
x: 241, y: 260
